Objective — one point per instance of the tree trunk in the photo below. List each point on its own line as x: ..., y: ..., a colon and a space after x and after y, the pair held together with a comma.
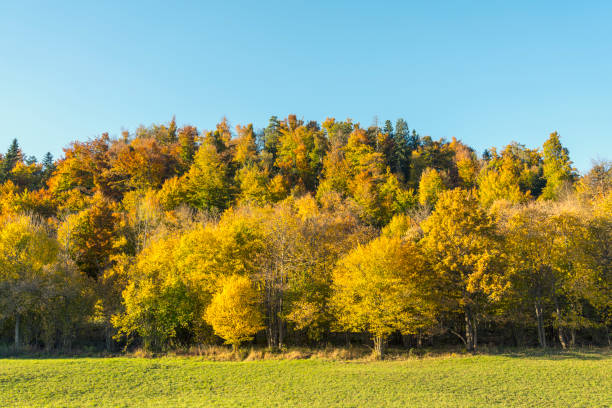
x: 475, y: 328
x: 379, y: 347
x: 470, y: 331
x: 539, y: 318
x: 108, y: 336
x: 419, y: 340
x: 17, y: 329
x: 515, y: 335
x: 280, y: 323
x: 560, y: 325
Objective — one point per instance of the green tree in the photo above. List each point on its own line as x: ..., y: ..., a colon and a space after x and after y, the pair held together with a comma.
x: 10, y: 159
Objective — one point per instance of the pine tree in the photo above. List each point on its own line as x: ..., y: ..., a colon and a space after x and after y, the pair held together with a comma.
x: 48, y: 166
x: 401, y: 153
x: 12, y: 156
x: 388, y: 129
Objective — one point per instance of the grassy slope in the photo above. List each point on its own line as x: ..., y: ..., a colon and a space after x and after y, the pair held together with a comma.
x: 578, y: 379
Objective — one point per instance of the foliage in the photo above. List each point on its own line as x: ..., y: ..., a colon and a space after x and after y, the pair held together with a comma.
x: 377, y: 289
x: 132, y: 237
x: 234, y: 311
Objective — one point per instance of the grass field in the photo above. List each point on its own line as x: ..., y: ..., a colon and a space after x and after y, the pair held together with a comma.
x: 575, y: 379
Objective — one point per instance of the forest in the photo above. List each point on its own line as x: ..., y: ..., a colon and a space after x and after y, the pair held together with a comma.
x: 302, y: 234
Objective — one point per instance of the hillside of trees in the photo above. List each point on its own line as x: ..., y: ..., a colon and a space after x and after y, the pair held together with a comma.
x: 303, y: 233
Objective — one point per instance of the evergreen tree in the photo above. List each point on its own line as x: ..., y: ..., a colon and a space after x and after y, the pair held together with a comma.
x: 402, y: 150
x: 388, y: 129
x: 11, y: 158
x: 414, y: 141
x: 48, y: 166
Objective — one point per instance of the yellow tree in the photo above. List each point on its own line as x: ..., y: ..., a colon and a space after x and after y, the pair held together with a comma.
x: 234, y: 312
x: 460, y: 244
x: 157, y: 301
x: 26, y: 252
x: 554, y: 252
x: 430, y: 186
x: 557, y: 167
x: 175, y: 277
x: 377, y: 289
x: 205, y: 186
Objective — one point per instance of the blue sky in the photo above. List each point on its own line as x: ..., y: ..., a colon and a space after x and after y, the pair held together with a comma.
x: 486, y: 72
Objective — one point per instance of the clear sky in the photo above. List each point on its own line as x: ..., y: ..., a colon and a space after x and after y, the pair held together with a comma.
x: 487, y: 72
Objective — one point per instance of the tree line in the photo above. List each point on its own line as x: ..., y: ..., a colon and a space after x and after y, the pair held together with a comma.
x: 302, y: 233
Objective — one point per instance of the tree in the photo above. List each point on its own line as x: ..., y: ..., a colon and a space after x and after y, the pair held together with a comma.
x: 187, y: 137
x: 514, y: 176
x: 461, y: 245
x: 246, y: 149
x: 402, y: 148
x: 430, y: 187
x: 48, y: 166
x: 26, y: 253
x: 271, y: 138
x: 93, y: 236
x: 157, y: 300
x: 173, y: 280
x: 438, y: 155
x: 543, y: 243
x: 557, y: 167
x: 205, y: 186
x: 11, y: 158
x: 234, y: 312
x: 300, y: 153
x: 376, y: 288
x: 597, y: 182
x: 254, y: 185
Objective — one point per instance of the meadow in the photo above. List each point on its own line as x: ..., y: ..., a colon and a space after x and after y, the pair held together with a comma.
x: 568, y: 379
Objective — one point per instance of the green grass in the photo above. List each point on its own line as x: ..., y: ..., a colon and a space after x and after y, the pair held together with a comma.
x: 580, y: 379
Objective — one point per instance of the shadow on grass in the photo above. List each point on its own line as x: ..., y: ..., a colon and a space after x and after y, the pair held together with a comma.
x: 558, y: 354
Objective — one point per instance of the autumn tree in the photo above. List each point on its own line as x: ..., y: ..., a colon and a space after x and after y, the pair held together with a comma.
x: 557, y: 167
x: 430, y: 187
x: 376, y: 289
x: 461, y: 246
x: 300, y: 153
x: 545, y: 244
x: 234, y: 312
x: 93, y: 235
x: 26, y: 253
x: 206, y: 186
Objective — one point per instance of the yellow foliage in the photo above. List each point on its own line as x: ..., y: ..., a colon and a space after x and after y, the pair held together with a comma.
x: 234, y: 312
x: 377, y: 287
